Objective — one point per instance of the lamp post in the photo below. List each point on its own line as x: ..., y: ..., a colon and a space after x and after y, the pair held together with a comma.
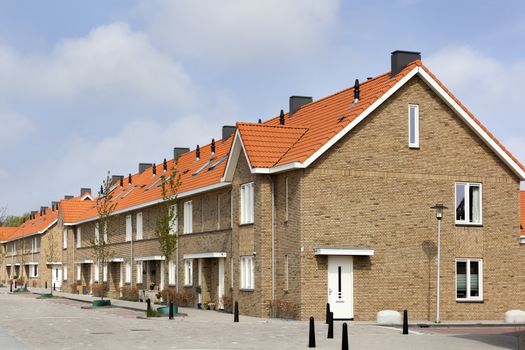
x: 439, y: 215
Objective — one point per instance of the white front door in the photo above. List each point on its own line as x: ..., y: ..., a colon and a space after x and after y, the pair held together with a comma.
x: 341, y: 286
x: 56, y: 270
x: 221, y: 283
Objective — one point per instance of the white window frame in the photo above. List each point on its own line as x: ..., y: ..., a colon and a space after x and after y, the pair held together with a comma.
x: 247, y: 203
x: 140, y: 227
x: 174, y: 224
x: 79, y: 272
x: 105, y: 272
x: 247, y: 272
x: 286, y: 275
x: 97, y: 233
x: 129, y: 227
x: 188, y: 272
x: 64, y: 272
x: 64, y: 245
x: 172, y: 267
x: 128, y: 272
x: 33, y: 271
x: 480, y: 277
x: 79, y: 237
x: 140, y: 269
x: 414, y: 144
x: 467, y: 204
x: 188, y: 217
x: 97, y: 272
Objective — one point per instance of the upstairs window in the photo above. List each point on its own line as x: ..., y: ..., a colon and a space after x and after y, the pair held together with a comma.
x: 469, y: 279
x: 188, y: 272
x: 413, y: 126
x: 188, y: 217
x: 247, y: 203
x: 128, y: 228
x: 247, y: 272
x: 79, y: 237
x: 97, y: 234
x: 468, y: 203
x: 65, y: 239
x: 139, y: 226
x: 174, y: 224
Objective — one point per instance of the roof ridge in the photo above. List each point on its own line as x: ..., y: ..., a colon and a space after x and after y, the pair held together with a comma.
x: 272, y: 126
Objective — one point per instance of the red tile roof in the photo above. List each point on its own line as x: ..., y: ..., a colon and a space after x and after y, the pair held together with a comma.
x: 73, y: 209
x: 38, y: 224
x: 7, y: 232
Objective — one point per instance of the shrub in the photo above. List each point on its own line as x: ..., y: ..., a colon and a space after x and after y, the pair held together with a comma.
x: 283, y: 309
x: 181, y: 299
x: 130, y: 294
x: 99, y: 290
x: 227, y: 302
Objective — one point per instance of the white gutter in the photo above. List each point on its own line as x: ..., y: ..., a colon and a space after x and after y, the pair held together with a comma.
x: 215, y: 186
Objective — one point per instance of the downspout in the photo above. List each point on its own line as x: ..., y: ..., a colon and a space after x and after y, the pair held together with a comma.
x: 131, y: 260
x: 273, y: 244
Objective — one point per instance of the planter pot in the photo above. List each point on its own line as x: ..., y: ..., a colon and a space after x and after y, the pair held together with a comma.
x: 101, y: 302
x: 45, y: 295
x: 21, y: 290
x: 165, y: 310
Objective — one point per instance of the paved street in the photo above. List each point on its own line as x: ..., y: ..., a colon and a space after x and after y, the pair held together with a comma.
x: 26, y: 322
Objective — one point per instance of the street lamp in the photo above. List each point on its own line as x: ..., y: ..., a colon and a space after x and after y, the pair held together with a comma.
x: 439, y: 215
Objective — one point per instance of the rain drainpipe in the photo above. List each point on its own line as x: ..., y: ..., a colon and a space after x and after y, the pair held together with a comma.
x: 273, y: 245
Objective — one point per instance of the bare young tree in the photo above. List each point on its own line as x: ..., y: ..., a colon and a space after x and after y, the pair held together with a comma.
x: 165, y: 228
x: 101, y: 246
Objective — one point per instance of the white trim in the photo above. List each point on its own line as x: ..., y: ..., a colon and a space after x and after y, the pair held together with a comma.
x: 344, y: 251
x: 87, y: 195
x: 150, y: 258
x: 480, y: 278
x: 235, y: 151
x: 116, y: 260
x: 84, y: 262
x: 522, y: 239
x: 53, y: 263
x: 205, y: 255
x: 156, y: 201
x: 31, y: 263
x: 47, y: 228
x: 466, y: 222
x: 414, y: 144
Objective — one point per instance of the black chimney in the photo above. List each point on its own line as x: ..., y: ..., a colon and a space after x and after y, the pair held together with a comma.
x: 43, y: 210
x: 115, y: 179
x: 144, y: 166
x: 400, y: 59
x: 178, y: 151
x: 297, y: 102
x: 227, y: 131
x: 212, y: 146
x: 122, y: 182
x: 356, y: 91
x: 281, y: 117
x: 101, y: 190
x: 260, y: 121
x: 67, y: 196
x: 129, y: 178
x: 33, y: 213
x: 154, y: 169
x: 84, y: 190
x: 54, y: 205
x: 198, y: 152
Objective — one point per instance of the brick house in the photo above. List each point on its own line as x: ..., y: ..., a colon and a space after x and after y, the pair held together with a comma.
x: 329, y: 202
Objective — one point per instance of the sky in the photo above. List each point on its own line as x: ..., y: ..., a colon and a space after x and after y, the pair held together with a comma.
x: 87, y: 87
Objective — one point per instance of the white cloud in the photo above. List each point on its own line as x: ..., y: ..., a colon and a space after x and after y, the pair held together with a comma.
x: 237, y: 31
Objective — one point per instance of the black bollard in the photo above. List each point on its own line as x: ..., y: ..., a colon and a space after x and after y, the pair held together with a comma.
x: 405, y: 322
x: 54, y: 287
x: 236, y: 312
x: 331, y: 325
x: 345, y: 337
x: 46, y: 285
x: 11, y: 287
x: 327, y: 312
x: 171, y: 310
x: 311, y: 340
x: 148, y: 302
x: 15, y: 284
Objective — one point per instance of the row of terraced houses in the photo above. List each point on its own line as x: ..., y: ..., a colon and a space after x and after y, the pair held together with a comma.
x: 328, y: 203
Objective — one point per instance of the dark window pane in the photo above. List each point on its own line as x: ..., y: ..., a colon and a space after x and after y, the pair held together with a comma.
x: 461, y: 279
x: 474, y: 204
x: 474, y: 279
x: 460, y: 202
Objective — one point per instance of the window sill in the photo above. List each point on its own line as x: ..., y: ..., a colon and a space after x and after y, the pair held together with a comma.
x: 466, y: 301
x: 247, y: 290
x: 413, y: 147
x: 246, y: 224
x: 188, y: 286
x: 466, y: 224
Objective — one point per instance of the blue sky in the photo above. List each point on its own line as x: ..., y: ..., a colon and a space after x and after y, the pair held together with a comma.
x: 87, y: 87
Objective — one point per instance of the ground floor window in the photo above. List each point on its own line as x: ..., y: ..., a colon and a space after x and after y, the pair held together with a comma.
x: 172, y: 267
x: 79, y: 272
x: 128, y: 272
x: 64, y: 269
x: 469, y: 279
x: 247, y: 272
x: 97, y: 272
x: 188, y: 272
x: 105, y: 273
x: 140, y: 269
x: 33, y: 271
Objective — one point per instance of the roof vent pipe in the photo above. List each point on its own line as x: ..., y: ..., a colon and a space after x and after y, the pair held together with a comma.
x: 165, y: 165
x: 356, y: 91
x: 297, y: 102
x: 197, y: 153
x: 154, y: 169
x: 144, y: 166
x: 129, y: 178
x: 281, y: 118
x: 178, y: 151
x: 101, y: 190
x: 400, y: 59
x: 84, y: 190
x: 260, y: 121
x: 43, y: 210
x: 212, y: 146
x: 227, y: 131
x: 122, y: 182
